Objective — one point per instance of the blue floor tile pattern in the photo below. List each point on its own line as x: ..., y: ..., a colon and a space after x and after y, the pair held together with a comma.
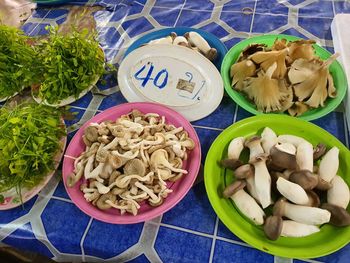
x: 183, y: 213
x: 28, y: 241
x: 124, y: 236
x: 231, y: 21
x: 193, y: 249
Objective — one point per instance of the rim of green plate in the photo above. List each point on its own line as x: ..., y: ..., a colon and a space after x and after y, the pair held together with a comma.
x: 339, y: 77
x: 327, y: 241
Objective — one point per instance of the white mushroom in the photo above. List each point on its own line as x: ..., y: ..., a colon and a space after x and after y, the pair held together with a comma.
x: 244, y: 202
x: 295, y: 140
x: 159, y: 158
x: 302, y: 214
x: 329, y: 164
x: 268, y: 139
x: 338, y: 194
x: 295, y: 229
x: 293, y: 192
x: 235, y: 148
x: 262, y: 180
x: 180, y: 40
x: 254, y: 146
x: 163, y: 40
x: 304, y: 156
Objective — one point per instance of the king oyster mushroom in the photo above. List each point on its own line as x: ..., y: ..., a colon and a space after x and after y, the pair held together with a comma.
x: 329, y: 165
x: 275, y: 227
x: 268, y: 139
x: 254, y: 145
x: 339, y: 216
x: 234, y: 151
x: 339, y: 193
x: 244, y: 202
x: 246, y: 172
x: 262, y: 180
x: 304, y: 156
x: 319, y: 151
x: 302, y: 214
x: 293, y: 192
x: 198, y: 41
x: 283, y: 156
x: 306, y: 179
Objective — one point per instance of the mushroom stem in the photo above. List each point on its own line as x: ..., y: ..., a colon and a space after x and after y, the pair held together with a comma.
x: 293, y: 192
x: 262, y: 180
x: 302, y: 214
x: 304, y: 156
x: 329, y: 164
x: 268, y: 139
x: 235, y: 148
x: 339, y: 193
x: 295, y: 229
x: 295, y: 140
x: 244, y: 202
x: 254, y: 146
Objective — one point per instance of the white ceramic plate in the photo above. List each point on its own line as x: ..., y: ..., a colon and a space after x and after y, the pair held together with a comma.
x: 174, y: 76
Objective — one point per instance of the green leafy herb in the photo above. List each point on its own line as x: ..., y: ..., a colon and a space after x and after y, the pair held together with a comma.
x: 29, y: 140
x: 17, y: 61
x: 71, y: 64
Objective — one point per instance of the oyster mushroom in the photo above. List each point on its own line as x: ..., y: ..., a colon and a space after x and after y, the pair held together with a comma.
x: 283, y: 156
x: 234, y: 151
x: 244, y: 202
x: 298, y: 108
x: 329, y: 164
x: 250, y: 50
x: 101, y: 202
x: 304, y: 156
x: 247, y: 172
x: 254, y: 145
x: 134, y: 166
x: 332, y: 92
x: 268, y: 139
x: 339, y: 193
x: 293, y: 192
x: 301, y: 49
x: 302, y: 214
x: 159, y: 158
x: 240, y: 71
x: 275, y: 227
x: 339, y: 216
x: 262, y: 180
x: 306, y: 179
x: 265, y: 91
x: 267, y: 59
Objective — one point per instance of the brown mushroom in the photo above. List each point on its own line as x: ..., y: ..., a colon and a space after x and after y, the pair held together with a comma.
x: 319, y: 151
x: 281, y: 157
x: 339, y: 216
x: 101, y: 203
x: 273, y: 227
x: 306, y: 179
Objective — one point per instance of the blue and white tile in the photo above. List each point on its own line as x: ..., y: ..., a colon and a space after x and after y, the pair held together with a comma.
x: 238, y: 21
x: 320, y: 27
x: 164, y: 16
x: 271, y: 7
x: 8, y: 216
x: 137, y: 26
x: 268, y: 23
x: 239, y: 6
x: 223, y: 231
x: 192, y: 18
x: 317, y: 9
x: 140, y: 259
x: 215, y: 29
x: 206, y: 138
x: 199, y: 5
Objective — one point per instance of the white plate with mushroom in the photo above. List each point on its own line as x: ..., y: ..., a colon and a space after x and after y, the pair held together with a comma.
x: 284, y: 188
x: 131, y: 163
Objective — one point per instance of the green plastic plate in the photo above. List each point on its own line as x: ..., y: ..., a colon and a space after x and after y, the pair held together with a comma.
x: 328, y: 240
x: 335, y: 69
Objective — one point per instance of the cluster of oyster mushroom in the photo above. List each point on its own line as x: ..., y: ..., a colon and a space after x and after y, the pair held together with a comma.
x: 300, y: 177
x: 127, y: 161
x: 192, y: 40
x: 287, y: 77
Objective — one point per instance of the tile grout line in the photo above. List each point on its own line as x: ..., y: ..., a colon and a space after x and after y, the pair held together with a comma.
x: 212, y: 250
x: 251, y: 25
x: 83, y: 239
x: 59, y: 198
x: 42, y: 20
x: 208, y: 128
x: 235, y: 115
x: 178, y: 17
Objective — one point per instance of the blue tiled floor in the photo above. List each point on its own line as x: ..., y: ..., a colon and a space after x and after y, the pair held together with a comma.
x: 191, y: 18
x: 193, y: 249
x: 199, y: 5
x: 206, y: 138
x: 227, y: 252
x: 239, y: 6
x: 341, y: 256
x: 238, y: 21
x: 193, y: 212
x: 233, y: 41
x: 124, y: 236
x: 10, y: 215
x: 125, y: 10
x: 271, y: 6
x: 139, y: 259
x: 317, y: 9
x: 110, y: 37
x: 223, y: 231
x: 320, y: 27
x: 61, y: 191
x: 294, y: 32
x: 342, y: 6
x: 137, y: 26
x: 165, y: 17
x: 63, y: 223
x: 112, y: 100
x: 170, y: 3
x: 215, y: 29
x: 75, y: 117
x: 28, y: 241
x: 265, y: 23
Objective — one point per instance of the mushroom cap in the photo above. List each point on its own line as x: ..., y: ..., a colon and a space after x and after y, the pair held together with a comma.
x: 91, y: 133
x: 314, y: 199
x: 278, y: 208
x: 134, y: 166
x: 273, y: 227
x: 231, y: 163
x: 211, y: 54
x: 339, y: 216
x: 101, y: 202
x: 305, y: 179
x: 244, y: 171
x: 252, y: 140
x: 323, y: 185
x: 233, y: 188
x: 282, y: 159
x: 319, y: 151
x: 263, y: 157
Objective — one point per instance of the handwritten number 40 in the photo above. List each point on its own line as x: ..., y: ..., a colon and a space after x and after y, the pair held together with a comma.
x: 160, y: 80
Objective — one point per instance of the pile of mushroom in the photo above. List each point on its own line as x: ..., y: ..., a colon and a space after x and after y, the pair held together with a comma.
x: 127, y: 161
x: 299, y: 180
x: 192, y: 40
x: 287, y: 77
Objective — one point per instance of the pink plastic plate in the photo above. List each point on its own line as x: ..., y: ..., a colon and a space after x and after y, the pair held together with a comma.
x: 146, y: 212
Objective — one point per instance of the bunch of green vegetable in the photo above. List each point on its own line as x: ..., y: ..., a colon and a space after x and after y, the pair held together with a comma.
x: 71, y: 64
x: 30, y: 137
x: 17, y: 61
